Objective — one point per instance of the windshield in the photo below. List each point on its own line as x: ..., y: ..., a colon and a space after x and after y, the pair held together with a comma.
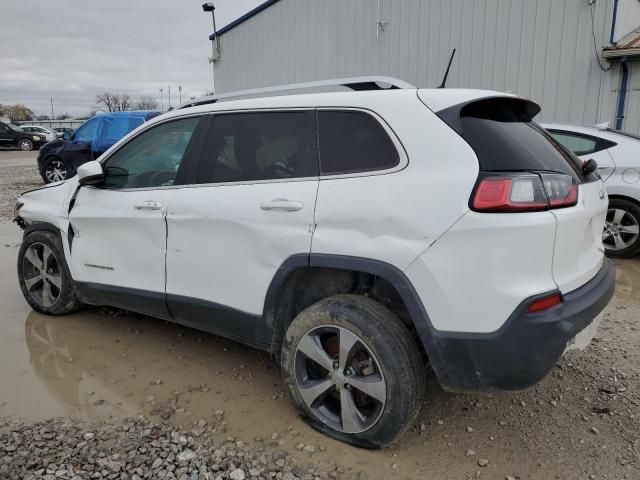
x: 13, y: 127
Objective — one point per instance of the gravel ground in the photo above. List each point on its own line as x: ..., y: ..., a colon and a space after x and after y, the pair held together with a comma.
x: 137, y: 448
x: 109, y: 394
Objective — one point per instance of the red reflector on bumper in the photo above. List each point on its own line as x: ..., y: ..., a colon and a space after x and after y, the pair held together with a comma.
x: 545, y: 303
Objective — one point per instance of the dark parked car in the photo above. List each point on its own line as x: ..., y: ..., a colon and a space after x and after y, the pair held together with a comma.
x: 13, y: 136
x: 59, y: 159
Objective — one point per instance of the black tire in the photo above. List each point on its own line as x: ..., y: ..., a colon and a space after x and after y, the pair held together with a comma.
x: 53, y: 271
x: 631, y: 220
x: 394, y: 353
x: 53, y: 170
x: 25, y: 145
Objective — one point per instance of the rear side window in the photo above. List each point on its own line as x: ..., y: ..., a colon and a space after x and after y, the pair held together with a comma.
x: 504, y: 137
x: 353, y: 142
x: 581, y: 144
x: 244, y: 147
x: 577, y: 144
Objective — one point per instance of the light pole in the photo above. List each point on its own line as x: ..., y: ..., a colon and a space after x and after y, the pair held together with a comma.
x: 215, y: 49
x: 161, y: 100
x: 169, y: 90
x: 180, y: 93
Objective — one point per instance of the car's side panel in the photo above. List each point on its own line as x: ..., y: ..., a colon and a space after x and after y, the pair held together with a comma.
x: 473, y: 278
x: 394, y: 217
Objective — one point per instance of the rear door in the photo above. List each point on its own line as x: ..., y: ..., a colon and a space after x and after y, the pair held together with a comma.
x: 250, y: 207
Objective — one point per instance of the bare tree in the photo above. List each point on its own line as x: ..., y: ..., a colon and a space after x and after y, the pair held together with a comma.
x: 113, y: 102
x: 146, y: 102
x: 18, y: 112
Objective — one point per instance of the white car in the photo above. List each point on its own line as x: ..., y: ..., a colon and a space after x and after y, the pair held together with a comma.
x: 48, y: 133
x: 617, y: 154
x: 359, y: 237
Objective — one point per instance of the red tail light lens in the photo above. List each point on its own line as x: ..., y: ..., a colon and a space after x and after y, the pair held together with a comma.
x: 545, y: 303
x: 525, y: 192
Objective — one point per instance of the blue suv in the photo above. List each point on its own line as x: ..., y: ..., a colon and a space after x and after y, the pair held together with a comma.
x: 60, y: 158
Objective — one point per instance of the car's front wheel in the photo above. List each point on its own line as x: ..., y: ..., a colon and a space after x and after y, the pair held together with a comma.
x: 353, y: 370
x: 25, y: 145
x: 54, y: 170
x: 44, y: 279
x: 621, y: 236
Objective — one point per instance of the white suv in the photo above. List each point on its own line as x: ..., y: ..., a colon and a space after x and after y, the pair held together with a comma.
x: 358, y: 236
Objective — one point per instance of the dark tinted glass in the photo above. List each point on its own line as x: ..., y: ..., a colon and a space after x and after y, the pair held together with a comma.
x: 245, y: 147
x: 353, y: 142
x: 505, y: 139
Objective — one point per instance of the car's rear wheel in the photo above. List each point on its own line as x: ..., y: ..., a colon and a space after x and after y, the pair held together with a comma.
x: 44, y: 279
x: 54, y: 170
x: 25, y: 145
x: 353, y: 370
x: 621, y: 236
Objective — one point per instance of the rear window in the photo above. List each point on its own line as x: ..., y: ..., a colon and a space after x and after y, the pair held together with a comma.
x: 504, y: 137
x: 353, y: 142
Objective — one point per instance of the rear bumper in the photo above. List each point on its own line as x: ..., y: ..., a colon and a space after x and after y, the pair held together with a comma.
x: 525, y: 348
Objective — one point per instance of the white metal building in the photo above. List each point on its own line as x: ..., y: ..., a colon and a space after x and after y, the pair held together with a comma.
x: 547, y: 50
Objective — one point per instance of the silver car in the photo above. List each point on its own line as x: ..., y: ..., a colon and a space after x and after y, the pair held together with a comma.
x: 618, y: 156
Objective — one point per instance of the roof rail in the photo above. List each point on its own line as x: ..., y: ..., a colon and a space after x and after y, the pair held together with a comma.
x: 354, y: 83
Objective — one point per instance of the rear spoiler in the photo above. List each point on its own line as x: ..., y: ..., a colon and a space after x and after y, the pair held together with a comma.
x: 522, y: 109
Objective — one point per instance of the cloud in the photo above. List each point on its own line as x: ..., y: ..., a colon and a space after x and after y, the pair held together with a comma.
x: 72, y: 50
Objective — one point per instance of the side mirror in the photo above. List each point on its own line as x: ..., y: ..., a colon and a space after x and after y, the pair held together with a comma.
x: 66, y: 136
x: 589, y: 166
x: 90, y: 173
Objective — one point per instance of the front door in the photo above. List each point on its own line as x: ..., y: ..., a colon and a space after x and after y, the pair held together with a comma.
x: 251, y: 208
x: 118, y: 237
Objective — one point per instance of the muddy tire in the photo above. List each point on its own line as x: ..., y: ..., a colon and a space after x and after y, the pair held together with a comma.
x: 25, y: 145
x: 621, y: 237
x: 43, y: 274
x: 353, y: 371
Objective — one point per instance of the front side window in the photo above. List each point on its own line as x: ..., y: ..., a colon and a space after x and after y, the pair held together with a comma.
x: 151, y: 159
x: 353, y: 141
x: 576, y: 143
x: 87, y: 131
x: 244, y: 147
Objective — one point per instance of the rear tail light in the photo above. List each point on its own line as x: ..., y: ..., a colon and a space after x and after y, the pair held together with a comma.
x: 545, y: 303
x: 526, y: 192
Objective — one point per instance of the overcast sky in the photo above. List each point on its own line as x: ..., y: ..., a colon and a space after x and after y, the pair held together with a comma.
x: 72, y: 50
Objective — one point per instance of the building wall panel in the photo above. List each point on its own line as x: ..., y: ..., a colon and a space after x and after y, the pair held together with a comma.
x: 542, y: 49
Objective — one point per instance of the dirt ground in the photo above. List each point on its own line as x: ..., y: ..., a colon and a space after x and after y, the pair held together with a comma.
x: 102, y: 365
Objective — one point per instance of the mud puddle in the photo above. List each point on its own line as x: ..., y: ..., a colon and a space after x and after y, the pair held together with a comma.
x: 102, y: 364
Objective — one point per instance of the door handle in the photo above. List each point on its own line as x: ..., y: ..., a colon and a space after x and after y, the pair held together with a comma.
x: 282, y: 204
x: 148, y: 205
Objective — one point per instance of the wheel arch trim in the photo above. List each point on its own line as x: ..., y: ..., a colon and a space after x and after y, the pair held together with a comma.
x: 390, y: 273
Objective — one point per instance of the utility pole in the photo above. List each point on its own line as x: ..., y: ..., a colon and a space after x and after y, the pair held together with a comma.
x: 161, y: 100
x: 169, y: 89
x: 52, y: 117
x: 215, y: 42
x: 180, y: 93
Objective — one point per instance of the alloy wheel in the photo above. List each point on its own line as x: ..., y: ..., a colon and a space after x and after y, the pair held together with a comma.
x: 621, y: 229
x: 55, y: 171
x: 41, y: 273
x: 339, y: 379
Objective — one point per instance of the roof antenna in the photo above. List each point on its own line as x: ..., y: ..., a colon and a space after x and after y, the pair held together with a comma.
x: 446, y: 75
